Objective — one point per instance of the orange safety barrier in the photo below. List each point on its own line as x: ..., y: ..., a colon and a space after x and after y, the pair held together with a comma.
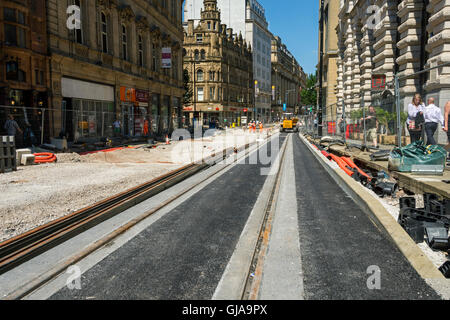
x: 44, y: 157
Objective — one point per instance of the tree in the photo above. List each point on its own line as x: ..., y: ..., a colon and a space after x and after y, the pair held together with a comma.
x: 187, y: 97
x: 309, y: 95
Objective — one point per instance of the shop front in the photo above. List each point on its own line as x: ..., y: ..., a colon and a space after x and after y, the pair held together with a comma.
x: 88, y: 111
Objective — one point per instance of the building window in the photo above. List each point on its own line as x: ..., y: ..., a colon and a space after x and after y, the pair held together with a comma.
x: 124, y: 43
x: 200, y: 95
x: 11, y: 70
x: 209, y: 25
x: 155, y: 58
x: 196, y: 55
x: 212, y: 93
x: 79, y: 32
x: 199, y: 38
x: 200, y: 76
x: 141, y: 51
x: 10, y: 35
x: 202, y: 55
x: 104, y: 33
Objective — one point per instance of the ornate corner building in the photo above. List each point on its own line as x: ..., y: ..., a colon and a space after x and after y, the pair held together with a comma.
x: 111, y: 67
x: 387, y: 37
x: 24, y: 65
x: 220, y: 68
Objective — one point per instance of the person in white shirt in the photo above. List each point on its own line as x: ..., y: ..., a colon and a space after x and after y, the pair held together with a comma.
x: 433, y: 116
x: 414, y: 108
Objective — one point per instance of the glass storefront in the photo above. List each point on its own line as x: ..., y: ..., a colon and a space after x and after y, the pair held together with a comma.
x: 165, y: 114
x: 92, y: 119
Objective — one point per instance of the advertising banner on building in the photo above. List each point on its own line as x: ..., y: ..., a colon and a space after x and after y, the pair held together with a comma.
x: 142, y: 97
x: 127, y: 94
x: 166, y: 58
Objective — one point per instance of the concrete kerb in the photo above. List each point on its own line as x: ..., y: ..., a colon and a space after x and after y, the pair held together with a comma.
x: 397, y: 234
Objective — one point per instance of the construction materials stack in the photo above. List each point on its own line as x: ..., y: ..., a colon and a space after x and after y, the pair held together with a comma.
x: 7, y: 154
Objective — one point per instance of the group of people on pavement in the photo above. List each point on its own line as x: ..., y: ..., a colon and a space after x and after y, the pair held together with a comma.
x: 426, y: 118
x: 421, y: 118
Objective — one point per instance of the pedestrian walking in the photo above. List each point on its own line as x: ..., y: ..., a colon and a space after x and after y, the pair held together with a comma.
x: 433, y: 116
x: 11, y: 126
x: 371, y: 122
x: 415, y: 111
x: 117, y: 127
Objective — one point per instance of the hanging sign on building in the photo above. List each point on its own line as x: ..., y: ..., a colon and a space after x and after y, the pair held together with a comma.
x: 127, y: 94
x: 166, y: 58
x: 378, y: 82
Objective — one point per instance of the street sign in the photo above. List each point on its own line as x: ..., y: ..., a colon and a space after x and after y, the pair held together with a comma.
x: 378, y: 82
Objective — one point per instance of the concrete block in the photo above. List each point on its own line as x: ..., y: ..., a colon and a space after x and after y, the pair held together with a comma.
x: 27, y: 160
x: 60, y: 144
x: 20, y: 153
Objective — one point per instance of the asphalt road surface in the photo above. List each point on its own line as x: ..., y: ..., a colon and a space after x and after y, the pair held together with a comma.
x: 184, y: 254
x: 339, y: 242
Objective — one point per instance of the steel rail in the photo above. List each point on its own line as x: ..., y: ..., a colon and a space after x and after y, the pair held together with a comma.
x: 30, y: 244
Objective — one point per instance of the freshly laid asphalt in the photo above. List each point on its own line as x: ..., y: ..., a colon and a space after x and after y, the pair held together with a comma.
x: 339, y: 242
x: 183, y: 255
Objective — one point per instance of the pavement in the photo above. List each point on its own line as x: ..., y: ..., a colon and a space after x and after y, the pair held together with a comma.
x: 322, y: 246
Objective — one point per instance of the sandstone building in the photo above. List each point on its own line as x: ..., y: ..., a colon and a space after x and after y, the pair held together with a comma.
x: 220, y: 68
x: 288, y: 79
x: 387, y: 37
x: 247, y: 17
x: 123, y: 63
x: 24, y: 67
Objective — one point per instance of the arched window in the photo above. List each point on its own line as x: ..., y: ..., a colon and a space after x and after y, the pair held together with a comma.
x: 104, y: 32
x: 202, y: 55
x: 140, y: 51
x: 200, y: 75
x: 196, y: 55
x: 124, y: 43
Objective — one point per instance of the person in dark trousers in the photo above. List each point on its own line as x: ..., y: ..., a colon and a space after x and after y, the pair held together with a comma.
x: 415, y: 108
x: 12, y: 127
x: 372, y: 126
x: 433, y: 116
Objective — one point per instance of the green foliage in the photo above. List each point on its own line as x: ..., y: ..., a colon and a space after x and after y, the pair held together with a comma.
x: 309, y: 95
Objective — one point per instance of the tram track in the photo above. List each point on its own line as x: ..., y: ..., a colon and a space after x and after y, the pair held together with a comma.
x: 20, y: 249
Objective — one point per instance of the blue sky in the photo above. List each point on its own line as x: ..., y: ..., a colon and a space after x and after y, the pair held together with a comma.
x: 297, y: 23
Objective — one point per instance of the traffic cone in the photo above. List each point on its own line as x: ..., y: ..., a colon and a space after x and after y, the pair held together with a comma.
x: 167, y: 139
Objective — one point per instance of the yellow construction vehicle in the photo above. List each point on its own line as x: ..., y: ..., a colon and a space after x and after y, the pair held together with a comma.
x: 289, y: 123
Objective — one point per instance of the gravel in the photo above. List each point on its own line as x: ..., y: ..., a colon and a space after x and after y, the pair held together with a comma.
x: 36, y: 195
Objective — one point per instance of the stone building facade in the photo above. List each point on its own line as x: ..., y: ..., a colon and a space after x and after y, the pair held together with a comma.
x: 288, y: 79
x: 24, y: 66
x: 249, y: 18
x: 123, y: 63
x: 330, y: 50
x: 220, y: 68
x: 388, y: 37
